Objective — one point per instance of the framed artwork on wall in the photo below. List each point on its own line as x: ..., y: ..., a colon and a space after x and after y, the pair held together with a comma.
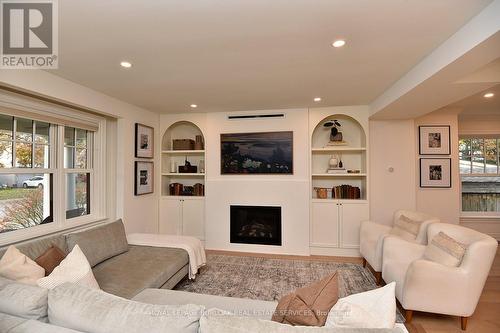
x: 435, y: 172
x: 434, y: 140
x: 144, y: 178
x: 257, y: 153
x: 144, y: 141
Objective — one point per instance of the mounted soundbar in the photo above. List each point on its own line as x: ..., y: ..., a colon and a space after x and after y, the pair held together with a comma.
x: 257, y: 116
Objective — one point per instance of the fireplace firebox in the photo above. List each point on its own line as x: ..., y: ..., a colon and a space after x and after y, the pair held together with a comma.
x: 255, y: 225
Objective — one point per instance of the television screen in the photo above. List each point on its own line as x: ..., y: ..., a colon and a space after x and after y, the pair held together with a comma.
x: 257, y: 153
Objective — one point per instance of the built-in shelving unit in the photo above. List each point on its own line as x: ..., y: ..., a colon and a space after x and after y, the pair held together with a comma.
x: 335, y: 221
x: 171, y: 159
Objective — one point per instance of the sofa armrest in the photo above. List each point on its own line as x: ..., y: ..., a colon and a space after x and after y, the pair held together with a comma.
x: 398, y: 249
x: 433, y: 287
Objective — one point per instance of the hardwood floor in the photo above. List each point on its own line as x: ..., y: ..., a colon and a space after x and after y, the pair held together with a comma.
x: 486, y: 319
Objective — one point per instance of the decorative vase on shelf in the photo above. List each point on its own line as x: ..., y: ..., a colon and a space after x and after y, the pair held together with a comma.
x: 201, y: 166
x: 334, y: 162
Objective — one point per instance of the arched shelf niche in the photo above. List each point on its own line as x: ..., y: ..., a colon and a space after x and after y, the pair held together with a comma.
x: 352, y: 151
x: 173, y: 158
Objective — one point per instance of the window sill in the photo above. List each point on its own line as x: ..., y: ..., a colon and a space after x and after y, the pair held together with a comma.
x: 23, y: 235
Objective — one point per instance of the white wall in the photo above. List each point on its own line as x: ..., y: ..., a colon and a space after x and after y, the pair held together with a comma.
x: 392, y: 145
x: 441, y: 202
x: 140, y: 214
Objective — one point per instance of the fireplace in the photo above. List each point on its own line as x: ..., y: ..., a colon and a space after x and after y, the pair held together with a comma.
x: 256, y: 225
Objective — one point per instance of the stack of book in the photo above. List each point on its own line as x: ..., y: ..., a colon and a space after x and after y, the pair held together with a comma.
x: 346, y: 192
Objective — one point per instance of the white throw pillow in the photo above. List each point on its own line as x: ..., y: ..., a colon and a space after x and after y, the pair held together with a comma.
x: 16, y: 266
x: 372, y: 309
x: 75, y: 268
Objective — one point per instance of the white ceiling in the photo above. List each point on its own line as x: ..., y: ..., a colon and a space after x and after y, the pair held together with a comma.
x: 250, y: 54
x: 477, y: 104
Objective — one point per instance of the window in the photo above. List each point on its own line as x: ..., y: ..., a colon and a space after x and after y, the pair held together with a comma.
x: 46, y: 175
x: 78, y: 168
x: 480, y: 175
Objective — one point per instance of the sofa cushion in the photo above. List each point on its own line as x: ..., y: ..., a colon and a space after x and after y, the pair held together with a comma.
x: 50, y: 259
x: 309, y: 305
x: 33, y: 248
x: 13, y: 324
x: 237, y: 306
x: 16, y: 266
x: 219, y: 323
x: 23, y: 300
x: 139, y: 268
x: 445, y: 250
x: 370, y: 309
x: 100, y: 243
x: 74, y: 269
x: 95, y: 311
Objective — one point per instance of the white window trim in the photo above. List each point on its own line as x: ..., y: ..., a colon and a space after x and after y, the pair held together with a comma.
x: 98, y: 183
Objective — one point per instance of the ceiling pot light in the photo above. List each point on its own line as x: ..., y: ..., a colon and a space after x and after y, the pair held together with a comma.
x: 489, y: 95
x: 338, y: 43
x: 125, y: 64
x: 317, y: 99
x: 193, y: 106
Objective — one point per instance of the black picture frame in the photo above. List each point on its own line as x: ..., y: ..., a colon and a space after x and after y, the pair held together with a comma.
x: 447, y: 151
x: 267, y: 153
x: 137, y: 189
x: 140, y: 152
x: 447, y: 182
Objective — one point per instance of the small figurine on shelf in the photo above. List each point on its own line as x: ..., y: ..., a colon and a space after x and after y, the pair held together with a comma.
x: 336, y: 137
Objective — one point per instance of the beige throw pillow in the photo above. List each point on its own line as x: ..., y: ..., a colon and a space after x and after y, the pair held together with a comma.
x: 16, y: 266
x: 445, y: 250
x: 406, y: 228
x: 310, y: 305
x: 75, y: 268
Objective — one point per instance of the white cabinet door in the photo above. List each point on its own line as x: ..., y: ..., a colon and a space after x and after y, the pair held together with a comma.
x: 170, y: 216
x: 352, y: 215
x: 193, y: 218
x: 325, y: 224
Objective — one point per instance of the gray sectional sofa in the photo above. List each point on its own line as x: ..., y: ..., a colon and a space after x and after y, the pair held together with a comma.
x: 135, y: 295
x: 120, y: 269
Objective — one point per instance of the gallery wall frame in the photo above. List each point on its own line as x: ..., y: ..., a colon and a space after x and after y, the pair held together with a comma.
x: 434, y: 140
x: 435, y: 173
x: 144, y: 141
x: 144, y: 177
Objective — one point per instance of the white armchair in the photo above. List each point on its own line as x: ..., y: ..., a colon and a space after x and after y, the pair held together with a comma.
x: 372, y: 237
x: 423, y: 285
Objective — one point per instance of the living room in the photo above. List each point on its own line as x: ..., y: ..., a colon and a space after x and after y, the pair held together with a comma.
x: 177, y: 156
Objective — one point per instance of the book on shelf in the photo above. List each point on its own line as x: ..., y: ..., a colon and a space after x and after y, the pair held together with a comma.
x: 336, y: 171
x: 346, y: 192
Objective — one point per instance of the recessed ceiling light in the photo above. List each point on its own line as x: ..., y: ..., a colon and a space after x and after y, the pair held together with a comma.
x: 194, y: 106
x: 489, y: 95
x: 338, y: 43
x: 317, y: 99
x: 125, y: 64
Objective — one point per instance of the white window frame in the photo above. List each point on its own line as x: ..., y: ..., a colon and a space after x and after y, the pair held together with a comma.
x: 479, y: 215
x: 10, y: 104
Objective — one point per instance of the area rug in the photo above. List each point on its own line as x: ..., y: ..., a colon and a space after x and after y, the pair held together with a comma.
x: 270, y: 279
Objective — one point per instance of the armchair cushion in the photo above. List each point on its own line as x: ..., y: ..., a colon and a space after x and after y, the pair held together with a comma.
x: 406, y: 228
x: 445, y: 250
x: 371, y: 240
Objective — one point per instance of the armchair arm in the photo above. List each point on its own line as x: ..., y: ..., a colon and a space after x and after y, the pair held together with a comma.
x: 372, y: 231
x: 422, y: 233
x: 398, y: 249
x: 432, y: 287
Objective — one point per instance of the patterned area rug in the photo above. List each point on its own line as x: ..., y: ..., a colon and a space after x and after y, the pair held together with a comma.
x: 270, y: 279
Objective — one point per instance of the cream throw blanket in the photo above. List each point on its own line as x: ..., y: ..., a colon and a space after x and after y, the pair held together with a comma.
x: 193, y: 246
